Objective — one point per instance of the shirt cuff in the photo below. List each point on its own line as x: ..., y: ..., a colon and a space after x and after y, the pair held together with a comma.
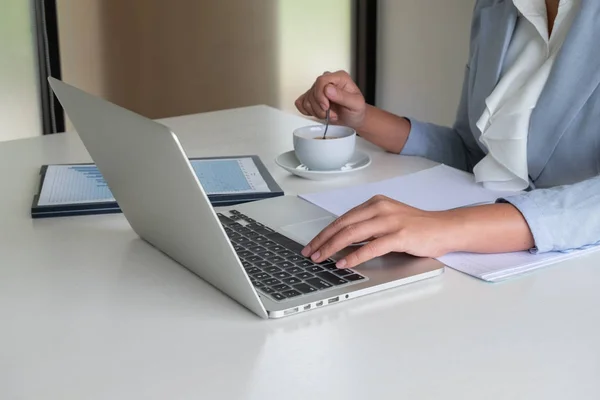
x: 533, y: 215
x: 417, y: 142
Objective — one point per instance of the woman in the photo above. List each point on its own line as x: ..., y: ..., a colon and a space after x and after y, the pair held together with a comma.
x: 529, y: 119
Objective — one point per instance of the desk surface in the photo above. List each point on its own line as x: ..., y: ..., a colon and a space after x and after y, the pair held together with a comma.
x: 89, y: 311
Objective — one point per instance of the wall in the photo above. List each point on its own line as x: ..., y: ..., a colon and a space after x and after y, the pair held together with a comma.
x: 165, y: 58
x: 314, y: 36
x: 20, y: 111
x: 423, y: 50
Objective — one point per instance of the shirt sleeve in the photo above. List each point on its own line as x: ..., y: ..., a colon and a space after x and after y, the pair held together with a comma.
x: 562, y: 218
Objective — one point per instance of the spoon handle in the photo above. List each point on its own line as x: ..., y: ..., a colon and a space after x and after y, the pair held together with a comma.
x: 327, y: 123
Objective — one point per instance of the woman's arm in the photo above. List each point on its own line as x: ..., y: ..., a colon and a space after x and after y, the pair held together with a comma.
x: 337, y: 91
x: 560, y: 218
x: 391, y: 226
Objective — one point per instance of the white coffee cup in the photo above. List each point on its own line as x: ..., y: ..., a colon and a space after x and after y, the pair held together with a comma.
x: 324, y: 155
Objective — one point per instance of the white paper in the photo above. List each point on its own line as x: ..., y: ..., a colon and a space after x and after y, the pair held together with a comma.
x: 442, y: 188
x: 435, y: 189
x: 78, y: 184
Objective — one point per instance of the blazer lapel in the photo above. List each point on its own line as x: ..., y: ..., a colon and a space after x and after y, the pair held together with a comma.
x: 574, y: 77
x: 497, y: 24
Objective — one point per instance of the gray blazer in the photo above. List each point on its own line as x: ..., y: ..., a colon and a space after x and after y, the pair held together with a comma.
x: 562, y: 206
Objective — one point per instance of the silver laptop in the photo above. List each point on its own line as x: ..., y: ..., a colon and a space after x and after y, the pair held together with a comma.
x: 250, y: 252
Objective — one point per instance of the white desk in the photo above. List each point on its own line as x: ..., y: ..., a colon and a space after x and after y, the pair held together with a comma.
x: 89, y: 311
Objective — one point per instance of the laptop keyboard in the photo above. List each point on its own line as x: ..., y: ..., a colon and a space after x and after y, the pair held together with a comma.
x: 274, y: 262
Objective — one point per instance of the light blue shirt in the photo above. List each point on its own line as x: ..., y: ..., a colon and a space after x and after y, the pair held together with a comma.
x: 563, y: 150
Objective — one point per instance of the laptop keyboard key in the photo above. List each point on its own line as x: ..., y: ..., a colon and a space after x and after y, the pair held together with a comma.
x: 271, y: 282
x: 266, y: 254
x: 264, y: 230
x: 278, y: 296
x: 272, y: 269
x: 276, y: 248
x: 251, y: 234
x: 281, y: 287
x: 256, y: 249
x: 246, y: 264
x: 329, y: 267
x: 304, y: 288
x: 331, y: 278
x: 305, y: 263
x: 259, y: 239
x: 296, y: 258
x: 243, y: 230
x: 258, y: 284
x: 305, y: 275
x: 276, y: 259
x: 354, y: 277
x: 319, y: 283
x: 269, y: 243
x: 342, y: 272
x: 245, y: 253
x: 328, y: 261
x: 254, y: 259
x: 294, y: 270
x: 291, y: 293
x: 314, y: 268
x: 285, y: 264
x: 263, y: 264
x: 291, y: 281
x: 253, y: 270
x: 285, y: 253
x: 261, y: 276
x: 286, y: 242
x: 282, y: 275
x: 267, y: 290
x: 241, y: 240
x: 255, y: 225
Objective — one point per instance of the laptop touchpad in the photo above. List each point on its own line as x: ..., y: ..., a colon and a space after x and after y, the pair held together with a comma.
x: 304, y: 232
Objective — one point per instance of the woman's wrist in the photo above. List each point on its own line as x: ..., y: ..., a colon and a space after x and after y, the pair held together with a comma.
x: 384, y: 129
x: 493, y: 228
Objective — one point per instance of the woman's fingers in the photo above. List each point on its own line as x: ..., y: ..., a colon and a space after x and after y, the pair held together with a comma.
x: 353, y: 233
x: 376, y: 248
x: 357, y: 214
x: 316, y: 107
x: 378, y: 205
x: 300, y: 105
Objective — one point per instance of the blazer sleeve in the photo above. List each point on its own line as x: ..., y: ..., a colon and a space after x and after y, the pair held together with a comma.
x: 562, y: 218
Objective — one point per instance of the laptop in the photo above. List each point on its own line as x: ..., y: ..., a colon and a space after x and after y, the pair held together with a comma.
x: 250, y: 252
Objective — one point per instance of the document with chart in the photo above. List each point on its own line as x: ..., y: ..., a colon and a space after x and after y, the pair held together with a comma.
x: 81, y: 187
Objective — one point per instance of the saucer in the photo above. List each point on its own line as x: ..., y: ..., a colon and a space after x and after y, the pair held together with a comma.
x: 288, y: 161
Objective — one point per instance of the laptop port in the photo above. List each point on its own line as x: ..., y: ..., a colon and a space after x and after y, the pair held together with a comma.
x: 290, y: 311
x: 307, y: 307
x: 334, y: 299
x: 319, y: 304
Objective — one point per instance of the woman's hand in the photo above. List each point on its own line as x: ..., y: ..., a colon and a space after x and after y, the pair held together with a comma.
x: 348, y: 107
x: 338, y: 91
x: 391, y: 226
